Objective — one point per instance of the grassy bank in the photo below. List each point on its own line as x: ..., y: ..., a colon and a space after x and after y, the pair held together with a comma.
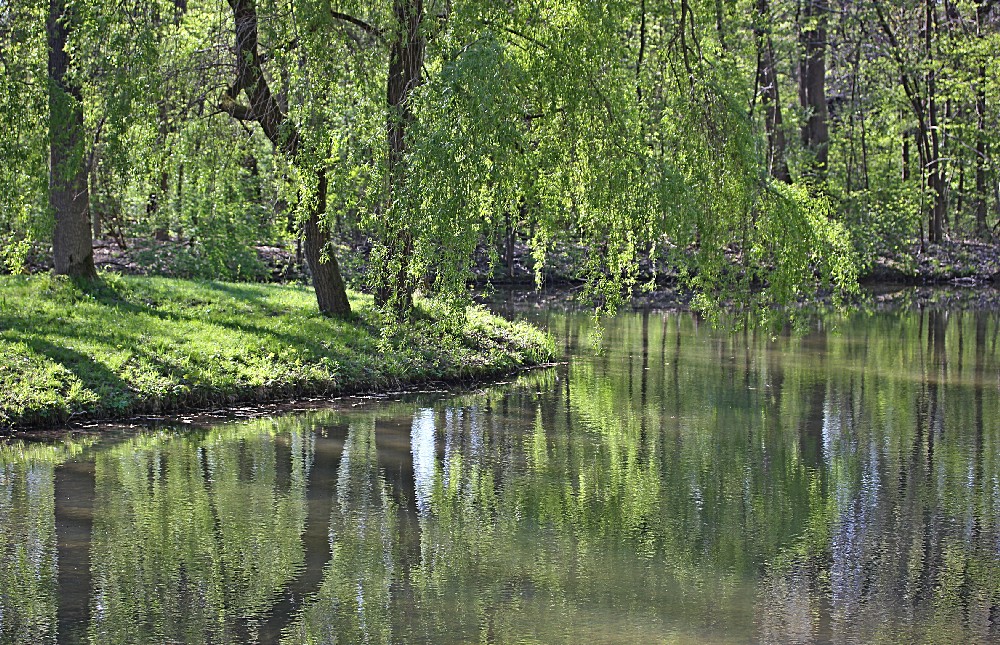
x: 133, y: 345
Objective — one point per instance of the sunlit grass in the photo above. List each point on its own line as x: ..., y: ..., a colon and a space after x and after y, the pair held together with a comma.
x: 139, y: 345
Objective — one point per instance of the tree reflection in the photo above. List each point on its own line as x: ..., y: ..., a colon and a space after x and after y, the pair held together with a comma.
x: 194, y: 535
x: 353, y: 603
x: 28, y: 545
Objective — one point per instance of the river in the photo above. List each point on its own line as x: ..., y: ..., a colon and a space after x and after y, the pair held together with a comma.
x: 681, y: 485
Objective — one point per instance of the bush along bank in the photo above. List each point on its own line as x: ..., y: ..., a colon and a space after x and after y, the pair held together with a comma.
x: 125, y: 346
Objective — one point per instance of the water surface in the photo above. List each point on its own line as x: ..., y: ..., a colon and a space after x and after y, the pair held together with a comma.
x: 684, y: 485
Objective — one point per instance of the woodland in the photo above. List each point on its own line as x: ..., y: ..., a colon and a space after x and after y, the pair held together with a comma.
x: 762, y: 148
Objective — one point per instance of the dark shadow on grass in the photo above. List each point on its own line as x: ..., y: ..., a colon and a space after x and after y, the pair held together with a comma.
x: 107, y: 295
x: 234, y: 290
x: 91, y: 373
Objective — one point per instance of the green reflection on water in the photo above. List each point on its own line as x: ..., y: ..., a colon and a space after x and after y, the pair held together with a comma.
x: 28, y: 540
x: 684, y: 485
x: 194, y: 536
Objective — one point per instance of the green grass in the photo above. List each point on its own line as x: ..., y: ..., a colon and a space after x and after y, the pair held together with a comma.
x: 130, y: 345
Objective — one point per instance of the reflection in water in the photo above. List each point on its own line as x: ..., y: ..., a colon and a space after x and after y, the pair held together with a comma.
x: 422, y: 442
x: 353, y: 604
x: 683, y: 485
x: 194, y: 536
x: 29, y: 552
x: 28, y: 543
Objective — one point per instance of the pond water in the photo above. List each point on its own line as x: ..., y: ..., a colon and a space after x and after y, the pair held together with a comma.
x: 682, y: 486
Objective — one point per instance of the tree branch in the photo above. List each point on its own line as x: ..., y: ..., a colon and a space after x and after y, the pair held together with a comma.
x: 234, y: 109
x: 358, y: 22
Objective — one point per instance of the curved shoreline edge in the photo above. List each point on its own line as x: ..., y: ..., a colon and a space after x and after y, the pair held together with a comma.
x: 133, y: 346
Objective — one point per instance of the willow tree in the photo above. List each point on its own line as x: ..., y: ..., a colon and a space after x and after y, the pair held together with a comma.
x: 23, y: 124
x: 263, y: 108
x: 622, y: 140
x: 437, y: 126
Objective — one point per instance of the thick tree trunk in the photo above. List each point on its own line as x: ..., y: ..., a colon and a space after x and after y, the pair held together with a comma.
x: 767, y: 77
x: 69, y: 199
x: 264, y: 109
x: 812, y: 86
x: 406, y: 59
x: 331, y: 293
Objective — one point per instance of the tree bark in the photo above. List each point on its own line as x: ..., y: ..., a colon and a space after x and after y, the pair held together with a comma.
x: 906, y: 156
x: 982, y: 230
x: 69, y: 198
x: 935, y: 164
x: 812, y: 86
x: 264, y: 109
x: 330, y: 292
x: 767, y: 79
x: 406, y: 59
x: 981, y: 190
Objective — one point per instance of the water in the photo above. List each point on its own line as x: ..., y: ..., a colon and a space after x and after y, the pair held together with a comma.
x: 683, y: 486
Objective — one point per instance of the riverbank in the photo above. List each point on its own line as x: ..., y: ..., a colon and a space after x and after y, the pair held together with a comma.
x: 135, y: 345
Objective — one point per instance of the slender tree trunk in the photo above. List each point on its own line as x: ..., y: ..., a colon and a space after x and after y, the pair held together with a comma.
x: 508, y: 253
x: 642, y: 50
x: 69, y: 198
x: 864, y: 150
x: 981, y: 190
x: 767, y: 78
x: 158, y: 203
x: 812, y: 86
x: 906, y: 155
x: 406, y: 59
x: 982, y: 149
x: 935, y: 165
x: 956, y: 222
x: 263, y: 108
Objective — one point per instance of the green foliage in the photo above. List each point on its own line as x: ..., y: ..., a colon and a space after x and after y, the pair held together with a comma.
x: 628, y: 130
x: 24, y: 217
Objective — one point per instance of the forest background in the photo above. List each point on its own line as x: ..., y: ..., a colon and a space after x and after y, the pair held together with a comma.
x: 765, y: 150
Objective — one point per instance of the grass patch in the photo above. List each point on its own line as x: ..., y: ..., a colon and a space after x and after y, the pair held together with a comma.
x: 132, y: 345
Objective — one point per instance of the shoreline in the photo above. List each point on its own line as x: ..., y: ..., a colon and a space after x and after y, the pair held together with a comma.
x: 150, y: 346
x: 872, y: 294
x: 204, y: 417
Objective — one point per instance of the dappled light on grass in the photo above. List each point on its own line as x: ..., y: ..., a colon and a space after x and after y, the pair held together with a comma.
x: 130, y: 345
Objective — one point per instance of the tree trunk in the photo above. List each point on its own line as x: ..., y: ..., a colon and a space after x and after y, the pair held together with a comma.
x: 906, y: 155
x: 72, y: 241
x: 812, y: 86
x: 935, y: 165
x: 331, y: 293
x: 406, y: 59
x: 982, y: 149
x: 264, y: 109
x: 767, y: 78
x: 95, y: 213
